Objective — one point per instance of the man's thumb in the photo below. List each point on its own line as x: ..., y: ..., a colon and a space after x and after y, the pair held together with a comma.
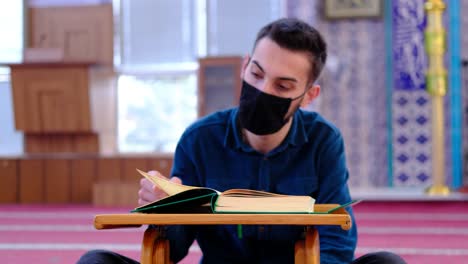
x: 176, y: 180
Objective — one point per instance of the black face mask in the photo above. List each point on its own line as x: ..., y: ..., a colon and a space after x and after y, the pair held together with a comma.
x: 262, y: 113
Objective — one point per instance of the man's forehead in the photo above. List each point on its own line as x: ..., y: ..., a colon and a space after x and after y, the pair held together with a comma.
x: 271, y: 57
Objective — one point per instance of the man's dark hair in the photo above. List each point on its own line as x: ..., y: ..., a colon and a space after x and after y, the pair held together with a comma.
x: 296, y: 35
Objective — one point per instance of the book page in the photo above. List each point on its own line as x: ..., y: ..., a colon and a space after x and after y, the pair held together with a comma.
x: 170, y: 188
x: 264, y: 204
x: 247, y: 192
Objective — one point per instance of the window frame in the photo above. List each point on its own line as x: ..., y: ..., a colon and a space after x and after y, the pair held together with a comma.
x: 164, y: 70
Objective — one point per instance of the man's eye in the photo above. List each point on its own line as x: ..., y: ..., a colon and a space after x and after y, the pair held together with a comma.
x: 256, y: 75
x: 282, y: 87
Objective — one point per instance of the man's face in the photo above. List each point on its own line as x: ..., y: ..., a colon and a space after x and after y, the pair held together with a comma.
x: 278, y: 71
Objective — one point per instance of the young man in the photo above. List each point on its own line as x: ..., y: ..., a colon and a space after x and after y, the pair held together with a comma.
x: 269, y: 144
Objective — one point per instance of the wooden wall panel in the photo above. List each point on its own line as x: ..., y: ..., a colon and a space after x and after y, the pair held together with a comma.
x: 82, y: 32
x: 162, y: 164
x: 51, y: 99
x: 109, y: 170
x: 56, y: 143
x: 116, y: 194
x: 8, y: 181
x: 57, y: 181
x: 47, y: 143
x: 51, y: 103
x: 129, y: 194
x: 86, y: 143
x: 61, y: 143
x: 83, y: 174
x: 19, y: 97
x: 104, y: 193
x: 70, y: 178
x: 130, y: 165
x: 31, y: 181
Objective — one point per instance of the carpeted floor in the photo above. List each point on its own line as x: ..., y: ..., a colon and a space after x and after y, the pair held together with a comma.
x: 421, y: 232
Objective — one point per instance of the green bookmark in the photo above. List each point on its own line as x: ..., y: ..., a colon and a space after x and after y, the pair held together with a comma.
x: 239, y: 231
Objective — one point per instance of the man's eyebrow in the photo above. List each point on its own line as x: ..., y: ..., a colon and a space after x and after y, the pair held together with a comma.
x: 258, y: 65
x: 281, y: 78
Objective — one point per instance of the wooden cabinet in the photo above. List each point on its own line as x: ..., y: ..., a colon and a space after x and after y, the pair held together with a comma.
x: 219, y: 83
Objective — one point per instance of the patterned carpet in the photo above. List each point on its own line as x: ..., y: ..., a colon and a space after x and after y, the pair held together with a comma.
x: 421, y: 232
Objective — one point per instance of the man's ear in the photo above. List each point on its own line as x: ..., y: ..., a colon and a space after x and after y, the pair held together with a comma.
x: 312, y: 93
x: 245, y: 62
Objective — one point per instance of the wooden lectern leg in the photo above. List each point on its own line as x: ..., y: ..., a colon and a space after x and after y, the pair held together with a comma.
x: 308, y: 251
x: 161, y: 252
x: 154, y: 249
x: 299, y: 255
x: 312, y: 246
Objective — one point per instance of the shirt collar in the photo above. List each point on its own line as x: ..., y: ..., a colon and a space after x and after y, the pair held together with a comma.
x: 297, y: 134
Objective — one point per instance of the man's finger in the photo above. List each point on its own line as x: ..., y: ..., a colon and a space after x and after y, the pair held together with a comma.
x: 146, y: 196
x: 146, y: 184
x: 142, y: 202
x: 176, y: 180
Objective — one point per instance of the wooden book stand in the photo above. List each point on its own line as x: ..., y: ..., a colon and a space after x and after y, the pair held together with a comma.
x: 155, y: 248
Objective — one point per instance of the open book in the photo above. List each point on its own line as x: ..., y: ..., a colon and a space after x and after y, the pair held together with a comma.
x: 190, y: 199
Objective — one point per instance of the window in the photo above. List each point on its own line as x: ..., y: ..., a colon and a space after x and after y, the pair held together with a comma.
x: 158, y: 34
x: 158, y: 45
x: 154, y: 113
x: 11, y: 30
x: 233, y: 25
x: 11, y: 48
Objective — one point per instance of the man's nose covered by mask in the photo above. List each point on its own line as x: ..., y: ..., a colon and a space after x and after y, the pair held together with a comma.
x: 262, y: 113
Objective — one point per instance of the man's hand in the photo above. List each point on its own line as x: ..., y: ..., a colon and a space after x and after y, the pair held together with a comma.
x: 149, y: 192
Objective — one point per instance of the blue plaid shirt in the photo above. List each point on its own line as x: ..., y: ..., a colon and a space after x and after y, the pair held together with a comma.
x: 310, y: 161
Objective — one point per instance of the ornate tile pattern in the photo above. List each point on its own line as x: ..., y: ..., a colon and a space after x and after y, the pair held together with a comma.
x: 411, y: 108
x: 411, y: 137
x: 353, y: 90
x: 354, y: 93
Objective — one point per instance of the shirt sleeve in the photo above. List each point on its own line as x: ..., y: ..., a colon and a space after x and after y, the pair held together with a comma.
x: 181, y: 237
x: 336, y: 245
